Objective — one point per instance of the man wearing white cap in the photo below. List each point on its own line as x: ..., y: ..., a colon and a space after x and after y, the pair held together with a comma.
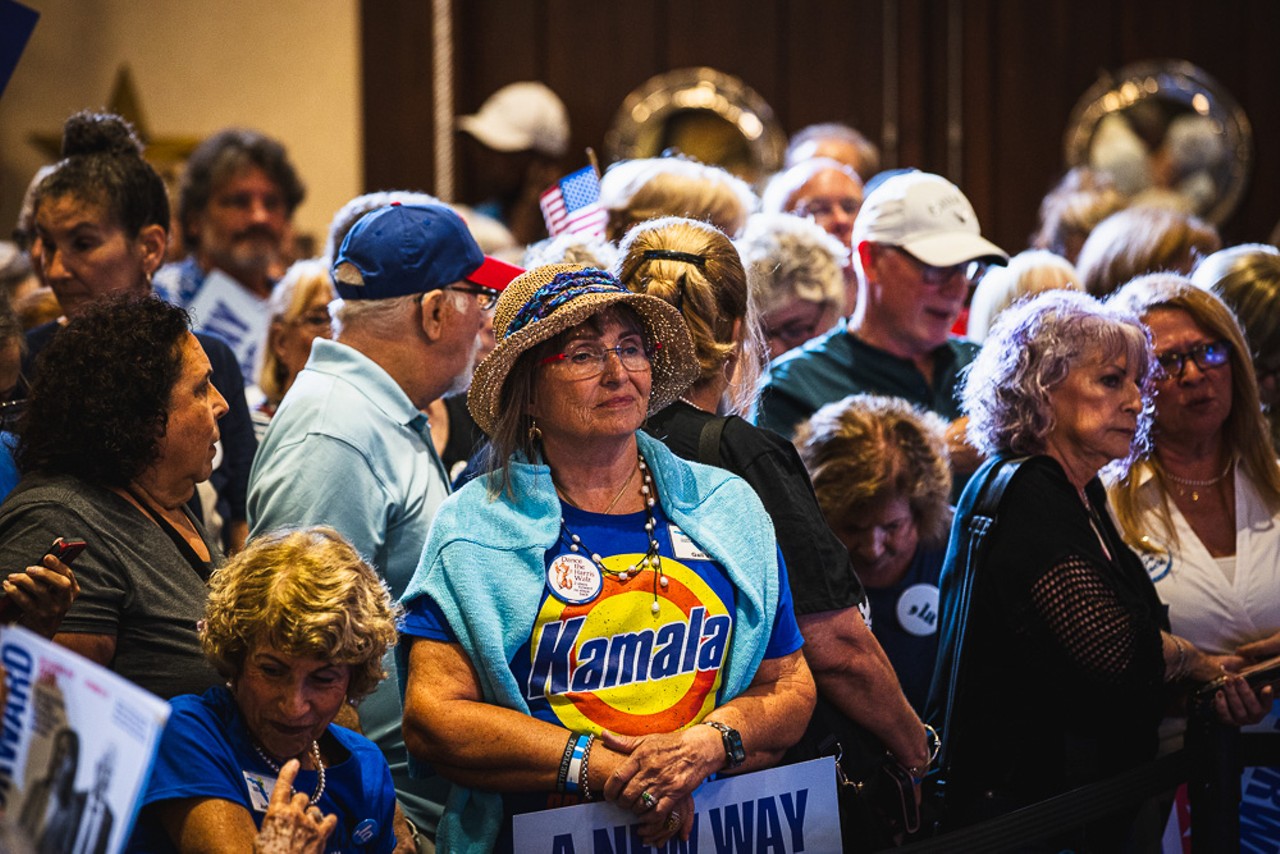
x: 918, y: 250
x: 350, y: 447
x: 517, y: 139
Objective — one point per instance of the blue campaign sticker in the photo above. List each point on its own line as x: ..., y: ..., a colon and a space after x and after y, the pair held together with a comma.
x: 1157, y: 564
x: 365, y: 831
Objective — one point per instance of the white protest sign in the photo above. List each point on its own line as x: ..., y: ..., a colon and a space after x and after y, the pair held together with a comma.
x: 777, y: 811
x: 228, y: 309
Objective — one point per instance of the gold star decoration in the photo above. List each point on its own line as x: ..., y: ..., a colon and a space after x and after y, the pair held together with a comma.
x: 166, y: 153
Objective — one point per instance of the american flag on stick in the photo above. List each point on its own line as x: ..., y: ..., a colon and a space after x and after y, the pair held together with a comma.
x: 572, y: 205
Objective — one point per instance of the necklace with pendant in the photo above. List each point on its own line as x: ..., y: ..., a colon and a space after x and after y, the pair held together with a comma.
x: 315, y: 752
x: 1196, y: 485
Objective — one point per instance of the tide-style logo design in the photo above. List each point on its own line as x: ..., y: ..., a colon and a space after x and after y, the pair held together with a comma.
x: 613, y: 663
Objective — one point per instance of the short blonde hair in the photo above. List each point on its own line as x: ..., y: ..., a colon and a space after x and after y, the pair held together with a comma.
x: 866, y: 448
x: 289, y: 299
x: 709, y: 290
x: 306, y: 592
x: 791, y: 258
x: 634, y: 191
x: 1027, y: 274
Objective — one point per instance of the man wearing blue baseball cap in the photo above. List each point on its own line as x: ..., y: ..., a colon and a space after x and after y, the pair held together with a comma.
x: 350, y: 446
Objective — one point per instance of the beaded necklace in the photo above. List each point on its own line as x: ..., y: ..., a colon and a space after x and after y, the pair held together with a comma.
x: 651, y: 559
x: 315, y: 752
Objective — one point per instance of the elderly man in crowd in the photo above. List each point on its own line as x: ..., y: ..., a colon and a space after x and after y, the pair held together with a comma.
x: 350, y: 447
x: 235, y: 210
x: 919, y: 249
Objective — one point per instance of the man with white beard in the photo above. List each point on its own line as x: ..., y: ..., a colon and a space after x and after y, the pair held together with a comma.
x: 350, y: 447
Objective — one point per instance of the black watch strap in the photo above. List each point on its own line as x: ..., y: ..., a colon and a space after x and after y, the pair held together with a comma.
x: 734, y: 753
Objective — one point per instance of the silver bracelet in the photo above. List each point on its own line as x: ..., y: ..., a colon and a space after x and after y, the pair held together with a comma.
x: 584, y: 779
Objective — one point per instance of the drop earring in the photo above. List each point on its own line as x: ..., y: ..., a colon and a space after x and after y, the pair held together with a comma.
x: 535, y: 435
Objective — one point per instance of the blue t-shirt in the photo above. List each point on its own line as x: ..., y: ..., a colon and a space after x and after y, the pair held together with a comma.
x: 904, y: 619
x: 205, y: 752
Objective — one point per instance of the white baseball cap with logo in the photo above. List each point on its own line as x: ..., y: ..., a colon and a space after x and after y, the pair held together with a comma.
x: 927, y: 216
x: 525, y: 116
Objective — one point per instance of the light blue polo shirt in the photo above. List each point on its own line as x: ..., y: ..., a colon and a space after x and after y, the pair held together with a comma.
x: 348, y: 449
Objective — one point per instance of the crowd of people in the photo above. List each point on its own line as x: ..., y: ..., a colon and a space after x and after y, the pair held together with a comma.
x: 415, y: 539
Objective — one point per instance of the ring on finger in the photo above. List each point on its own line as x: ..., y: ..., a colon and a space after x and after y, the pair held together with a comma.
x: 314, y: 812
x: 648, y: 800
x: 673, y: 820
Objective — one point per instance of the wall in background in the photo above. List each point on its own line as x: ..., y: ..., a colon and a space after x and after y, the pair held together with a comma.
x: 290, y: 68
x: 897, y: 69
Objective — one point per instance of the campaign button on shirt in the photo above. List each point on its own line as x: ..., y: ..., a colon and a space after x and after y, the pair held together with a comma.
x: 1157, y: 564
x: 574, y: 579
x: 918, y: 610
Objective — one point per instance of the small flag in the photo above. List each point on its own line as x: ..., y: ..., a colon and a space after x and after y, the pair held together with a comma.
x: 572, y: 205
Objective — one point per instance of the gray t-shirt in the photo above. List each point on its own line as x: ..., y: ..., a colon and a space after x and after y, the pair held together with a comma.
x: 134, y: 583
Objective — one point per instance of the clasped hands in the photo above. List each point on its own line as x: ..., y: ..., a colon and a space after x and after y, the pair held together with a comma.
x: 656, y: 777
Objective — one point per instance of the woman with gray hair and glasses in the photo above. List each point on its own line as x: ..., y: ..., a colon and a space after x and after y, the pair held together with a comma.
x: 1067, y: 662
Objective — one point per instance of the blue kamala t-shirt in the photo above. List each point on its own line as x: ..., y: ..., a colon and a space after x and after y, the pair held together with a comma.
x: 599, y: 655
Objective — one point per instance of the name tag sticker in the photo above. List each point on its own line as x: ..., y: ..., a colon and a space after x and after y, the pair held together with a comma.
x: 685, y: 548
x: 260, y: 789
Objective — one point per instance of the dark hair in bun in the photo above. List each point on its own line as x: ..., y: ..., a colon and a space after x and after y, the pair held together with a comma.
x: 102, y: 163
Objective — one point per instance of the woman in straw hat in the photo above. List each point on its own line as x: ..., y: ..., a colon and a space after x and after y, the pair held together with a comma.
x: 591, y: 620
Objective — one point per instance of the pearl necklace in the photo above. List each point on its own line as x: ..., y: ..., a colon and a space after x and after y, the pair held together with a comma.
x: 651, y: 559
x: 315, y: 752
x: 1195, y: 485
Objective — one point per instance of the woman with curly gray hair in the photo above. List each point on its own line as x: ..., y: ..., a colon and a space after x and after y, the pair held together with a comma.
x: 1065, y: 644
x: 299, y: 624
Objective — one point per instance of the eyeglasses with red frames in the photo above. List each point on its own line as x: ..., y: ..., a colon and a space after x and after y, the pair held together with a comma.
x: 585, y: 361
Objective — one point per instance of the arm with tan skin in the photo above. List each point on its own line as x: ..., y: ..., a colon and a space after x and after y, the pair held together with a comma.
x: 211, y: 825
x: 100, y: 649
x: 852, y: 672
x: 1236, y: 704
x: 43, y: 593
x: 475, y: 743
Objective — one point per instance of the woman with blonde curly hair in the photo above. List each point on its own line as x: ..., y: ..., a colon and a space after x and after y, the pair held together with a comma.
x: 299, y: 624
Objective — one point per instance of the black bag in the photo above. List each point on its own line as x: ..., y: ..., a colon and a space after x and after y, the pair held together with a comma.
x: 948, y: 679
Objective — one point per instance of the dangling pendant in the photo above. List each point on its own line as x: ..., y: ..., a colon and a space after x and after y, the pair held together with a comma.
x: 1195, y: 495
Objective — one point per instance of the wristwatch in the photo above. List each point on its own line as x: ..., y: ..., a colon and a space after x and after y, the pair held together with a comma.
x: 733, y: 752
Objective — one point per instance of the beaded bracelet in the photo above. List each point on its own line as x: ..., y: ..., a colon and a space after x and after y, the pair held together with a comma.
x: 574, y: 775
x: 563, y: 774
x: 584, y: 781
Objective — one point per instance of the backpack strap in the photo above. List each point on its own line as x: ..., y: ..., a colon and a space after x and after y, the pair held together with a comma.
x: 709, y: 441
x: 977, y: 528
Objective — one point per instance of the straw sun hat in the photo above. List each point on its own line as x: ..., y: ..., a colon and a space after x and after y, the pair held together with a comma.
x: 546, y: 301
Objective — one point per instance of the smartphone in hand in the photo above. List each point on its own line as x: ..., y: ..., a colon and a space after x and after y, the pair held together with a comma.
x: 65, y: 550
